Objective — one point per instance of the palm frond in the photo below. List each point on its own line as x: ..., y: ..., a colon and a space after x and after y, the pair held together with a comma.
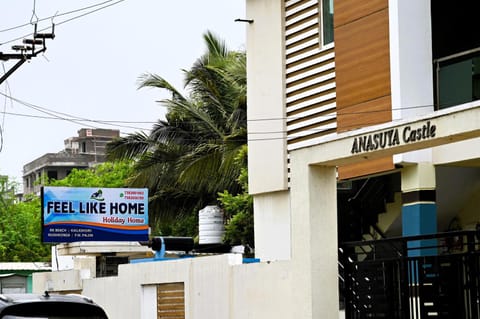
x: 190, y: 156
x: 130, y: 147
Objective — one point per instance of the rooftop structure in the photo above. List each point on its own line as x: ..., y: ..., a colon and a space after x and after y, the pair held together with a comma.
x: 81, y: 152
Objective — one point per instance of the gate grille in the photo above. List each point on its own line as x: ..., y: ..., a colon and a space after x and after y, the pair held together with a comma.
x: 388, y: 279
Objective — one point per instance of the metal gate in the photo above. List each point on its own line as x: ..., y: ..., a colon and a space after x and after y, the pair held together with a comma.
x: 402, y: 278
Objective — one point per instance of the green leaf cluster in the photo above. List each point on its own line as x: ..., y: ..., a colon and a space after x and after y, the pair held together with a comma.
x: 108, y: 174
x: 188, y: 158
x: 239, y: 208
x: 20, y: 229
x: 20, y: 222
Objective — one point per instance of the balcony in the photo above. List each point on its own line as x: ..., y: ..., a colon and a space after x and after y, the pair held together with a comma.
x: 400, y: 278
x: 457, y: 78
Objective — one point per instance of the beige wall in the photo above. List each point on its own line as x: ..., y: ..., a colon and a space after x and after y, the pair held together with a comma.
x: 266, y: 98
x: 272, y: 226
x: 469, y: 216
x: 215, y: 287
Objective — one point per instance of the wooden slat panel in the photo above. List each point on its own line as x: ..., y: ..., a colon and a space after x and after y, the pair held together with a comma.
x: 311, y: 99
x: 362, y: 66
x: 317, y: 84
x: 294, y: 4
x: 317, y: 60
x: 365, y: 114
x: 308, y: 9
x: 310, y: 76
x: 362, y: 60
x: 313, y: 108
x: 347, y: 11
x: 171, y: 301
x: 362, y: 169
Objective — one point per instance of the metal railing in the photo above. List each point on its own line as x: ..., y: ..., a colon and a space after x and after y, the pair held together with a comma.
x: 431, y: 276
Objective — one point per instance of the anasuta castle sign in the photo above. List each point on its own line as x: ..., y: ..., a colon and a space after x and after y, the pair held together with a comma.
x: 393, y: 137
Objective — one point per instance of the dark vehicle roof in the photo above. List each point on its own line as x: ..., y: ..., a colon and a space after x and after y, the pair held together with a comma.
x: 49, y: 305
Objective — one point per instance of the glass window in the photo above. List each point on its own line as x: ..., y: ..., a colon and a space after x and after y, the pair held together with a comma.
x: 52, y: 174
x: 458, y: 81
x: 327, y: 22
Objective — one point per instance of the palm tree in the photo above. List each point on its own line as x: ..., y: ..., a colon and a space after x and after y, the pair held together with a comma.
x: 188, y: 158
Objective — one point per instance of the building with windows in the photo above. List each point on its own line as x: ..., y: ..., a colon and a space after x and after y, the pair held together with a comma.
x: 82, y: 151
x: 364, y: 165
x: 364, y: 126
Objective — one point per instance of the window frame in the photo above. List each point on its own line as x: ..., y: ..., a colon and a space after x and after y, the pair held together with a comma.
x: 330, y: 44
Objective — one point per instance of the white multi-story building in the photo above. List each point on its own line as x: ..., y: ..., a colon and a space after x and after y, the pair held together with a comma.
x: 364, y: 122
x: 378, y: 97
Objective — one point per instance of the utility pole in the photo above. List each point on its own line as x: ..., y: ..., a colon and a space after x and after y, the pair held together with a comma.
x: 30, y: 48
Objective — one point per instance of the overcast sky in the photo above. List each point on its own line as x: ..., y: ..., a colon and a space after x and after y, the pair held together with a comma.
x: 90, y: 70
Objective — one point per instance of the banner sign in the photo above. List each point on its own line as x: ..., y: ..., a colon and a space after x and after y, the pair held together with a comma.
x: 72, y: 214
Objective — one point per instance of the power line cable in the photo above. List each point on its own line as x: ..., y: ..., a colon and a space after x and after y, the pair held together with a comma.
x: 76, y: 119
x: 34, y: 14
x: 54, y: 16
x: 69, y: 117
x: 2, y: 126
x: 44, y: 117
x: 65, y: 21
x: 113, y: 122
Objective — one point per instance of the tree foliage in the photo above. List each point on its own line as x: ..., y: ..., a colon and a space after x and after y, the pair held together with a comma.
x: 108, y: 174
x: 189, y: 157
x: 239, y: 209
x: 20, y: 228
x: 20, y: 222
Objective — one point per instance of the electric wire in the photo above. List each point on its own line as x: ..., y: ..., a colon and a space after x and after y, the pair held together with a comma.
x: 76, y: 119
x: 7, y: 91
x: 54, y: 16
x: 34, y: 13
x: 64, y: 21
x: 44, y: 117
x: 69, y: 117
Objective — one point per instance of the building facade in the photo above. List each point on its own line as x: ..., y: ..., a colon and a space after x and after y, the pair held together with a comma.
x: 82, y: 151
x: 16, y: 277
x: 363, y: 124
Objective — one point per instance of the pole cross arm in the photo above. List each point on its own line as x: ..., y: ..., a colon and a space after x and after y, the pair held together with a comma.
x: 17, y: 56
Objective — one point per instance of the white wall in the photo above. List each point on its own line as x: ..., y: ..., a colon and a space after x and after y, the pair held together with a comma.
x: 215, y: 287
x: 267, y: 168
x: 411, y: 69
x: 263, y: 290
x: 272, y: 226
x: 457, y: 152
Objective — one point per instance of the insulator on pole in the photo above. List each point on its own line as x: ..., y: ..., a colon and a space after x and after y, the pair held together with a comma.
x: 44, y: 35
x: 21, y: 48
x: 32, y: 41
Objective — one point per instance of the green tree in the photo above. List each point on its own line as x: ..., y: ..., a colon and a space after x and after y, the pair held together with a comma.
x: 189, y: 157
x: 20, y: 222
x: 239, y: 209
x: 108, y: 174
x: 20, y: 228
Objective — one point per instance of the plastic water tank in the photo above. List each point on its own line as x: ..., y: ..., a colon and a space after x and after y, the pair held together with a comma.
x: 211, y: 227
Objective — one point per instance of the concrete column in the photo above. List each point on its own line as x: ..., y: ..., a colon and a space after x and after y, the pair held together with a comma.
x: 314, y: 239
x: 272, y: 226
x: 419, y: 210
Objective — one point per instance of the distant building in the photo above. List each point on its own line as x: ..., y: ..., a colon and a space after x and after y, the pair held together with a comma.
x: 81, y: 152
x: 16, y: 277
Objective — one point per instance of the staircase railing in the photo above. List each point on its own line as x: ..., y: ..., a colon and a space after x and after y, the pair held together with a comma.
x: 395, y: 278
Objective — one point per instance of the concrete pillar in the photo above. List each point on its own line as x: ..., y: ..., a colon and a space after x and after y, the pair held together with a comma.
x: 419, y: 210
x: 314, y: 239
